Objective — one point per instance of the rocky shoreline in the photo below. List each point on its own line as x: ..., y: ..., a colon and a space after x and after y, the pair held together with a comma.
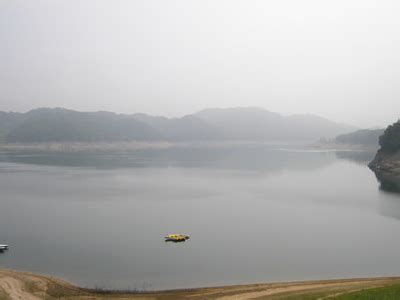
x: 386, y: 161
x: 386, y: 166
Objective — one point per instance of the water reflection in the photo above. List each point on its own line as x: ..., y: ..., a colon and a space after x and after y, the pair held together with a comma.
x: 390, y: 206
x: 388, y: 182
x: 360, y: 157
x: 264, y: 158
x: 273, y: 215
x: 389, y: 201
x: 389, y: 187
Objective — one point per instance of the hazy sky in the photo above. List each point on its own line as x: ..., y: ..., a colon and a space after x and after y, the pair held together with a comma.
x: 339, y: 59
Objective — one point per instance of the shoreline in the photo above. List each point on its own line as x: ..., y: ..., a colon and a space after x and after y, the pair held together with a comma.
x: 31, y: 286
x: 82, y: 147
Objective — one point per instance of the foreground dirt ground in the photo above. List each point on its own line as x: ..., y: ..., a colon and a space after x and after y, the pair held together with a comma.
x: 24, y: 285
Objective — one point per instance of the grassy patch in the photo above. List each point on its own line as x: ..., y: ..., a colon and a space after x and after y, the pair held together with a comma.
x: 391, y: 292
x: 59, y: 291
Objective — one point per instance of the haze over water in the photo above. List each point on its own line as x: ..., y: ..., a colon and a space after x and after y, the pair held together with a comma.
x: 256, y: 213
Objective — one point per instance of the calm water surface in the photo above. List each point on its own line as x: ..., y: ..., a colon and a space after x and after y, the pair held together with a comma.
x: 255, y: 213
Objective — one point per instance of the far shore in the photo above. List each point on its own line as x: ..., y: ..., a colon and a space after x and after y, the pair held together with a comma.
x: 83, y: 147
x: 78, y: 147
x: 343, y: 147
x: 30, y: 286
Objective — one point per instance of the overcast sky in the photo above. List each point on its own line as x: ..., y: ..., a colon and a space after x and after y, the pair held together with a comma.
x: 339, y: 59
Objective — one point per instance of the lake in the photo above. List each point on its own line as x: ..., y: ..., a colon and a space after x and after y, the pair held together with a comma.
x: 255, y: 213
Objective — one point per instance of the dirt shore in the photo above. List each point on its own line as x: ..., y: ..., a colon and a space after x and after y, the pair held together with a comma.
x: 29, y: 286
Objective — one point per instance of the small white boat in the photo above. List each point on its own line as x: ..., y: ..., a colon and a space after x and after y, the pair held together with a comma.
x: 3, y: 247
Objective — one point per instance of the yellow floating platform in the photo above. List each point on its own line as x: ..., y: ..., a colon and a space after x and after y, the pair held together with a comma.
x: 176, y: 237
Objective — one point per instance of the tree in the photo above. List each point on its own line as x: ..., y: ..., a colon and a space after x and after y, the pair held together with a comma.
x: 390, y: 140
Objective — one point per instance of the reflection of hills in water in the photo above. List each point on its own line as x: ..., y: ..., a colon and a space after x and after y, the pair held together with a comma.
x: 361, y: 157
x: 256, y: 158
x: 389, y: 204
x: 390, y: 187
x: 249, y: 157
x: 388, y: 182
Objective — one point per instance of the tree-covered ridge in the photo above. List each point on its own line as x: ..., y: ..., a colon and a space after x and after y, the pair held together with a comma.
x: 390, y: 140
x: 60, y: 125
x: 361, y: 137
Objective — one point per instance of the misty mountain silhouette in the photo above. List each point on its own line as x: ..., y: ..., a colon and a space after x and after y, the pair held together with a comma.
x: 233, y: 124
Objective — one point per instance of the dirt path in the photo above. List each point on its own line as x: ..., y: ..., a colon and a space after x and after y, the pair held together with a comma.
x: 15, y: 290
x: 276, y: 290
x: 295, y: 289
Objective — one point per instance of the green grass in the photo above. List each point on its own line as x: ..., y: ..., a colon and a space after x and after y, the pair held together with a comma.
x: 391, y: 292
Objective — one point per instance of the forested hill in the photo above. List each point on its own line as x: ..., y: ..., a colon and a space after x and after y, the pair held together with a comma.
x: 252, y: 123
x: 60, y: 125
x: 237, y: 124
x: 368, y: 137
x: 390, y: 140
x: 387, y: 159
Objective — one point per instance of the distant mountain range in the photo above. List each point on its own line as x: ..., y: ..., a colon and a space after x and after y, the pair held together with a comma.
x: 230, y: 124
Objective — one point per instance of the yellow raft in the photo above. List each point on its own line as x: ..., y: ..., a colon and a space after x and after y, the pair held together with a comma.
x: 176, y: 237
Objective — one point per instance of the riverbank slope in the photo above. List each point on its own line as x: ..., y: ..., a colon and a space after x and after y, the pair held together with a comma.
x: 29, y: 286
